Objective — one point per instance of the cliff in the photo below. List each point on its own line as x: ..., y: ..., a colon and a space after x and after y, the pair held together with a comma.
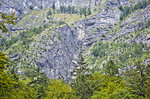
x: 41, y: 41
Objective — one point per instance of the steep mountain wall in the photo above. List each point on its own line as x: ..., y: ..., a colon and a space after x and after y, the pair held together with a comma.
x: 24, y: 6
x: 61, y: 50
x: 57, y: 48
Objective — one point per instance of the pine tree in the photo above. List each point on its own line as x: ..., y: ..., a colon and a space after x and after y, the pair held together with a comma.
x: 6, y: 82
x: 39, y: 82
x: 49, y: 13
x: 80, y: 82
x: 89, y: 11
x: 84, y: 12
x: 111, y: 68
x: 81, y: 69
x: 138, y: 79
x: 7, y: 19
x: 53, y: 6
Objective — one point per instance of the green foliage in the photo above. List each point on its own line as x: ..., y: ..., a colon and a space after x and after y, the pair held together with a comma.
x: 89, y: 11
x: 83, y: 11
x: 49, y: 13
x: 26, y: 92
x: 79, y: 82
x: 59, y: 90
x: 69, y: 10
x: 99, y: 49
x: 99, y: 86
x: 39, y: 82
x: 39, y: 87
x: 36, y: 88
x: 82, y: 68
x: 143, y: 25
x: 7, y: 19
x: 6, y: 82
x: 53, y: 6
x: 138, y: 79
x: 111, y: 68
x: 61, y: 22
x: 83, y: 87
x: 25, y: 37
x: 31, y: 7
x: 122, y: 53
x: 128, y: 10
x: 3, y: 61
x: 33, y: 84
x: 133, y: 84
x: 110, y: 87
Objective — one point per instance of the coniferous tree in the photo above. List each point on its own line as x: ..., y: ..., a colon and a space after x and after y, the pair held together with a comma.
x: 39, y: 82
x: 82, y: 68
x: 53, y: 6
x: 84, y: 12
x: 111, y: 68
x: 89, y: 11
x: 138, y: 79
x: 6, y: 81
x: 7, y: 19
x: 49, y: 13
x: 79, y: 83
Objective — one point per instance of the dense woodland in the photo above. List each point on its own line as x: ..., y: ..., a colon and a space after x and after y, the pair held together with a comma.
x: 131, y: 84
x: 108, y: 83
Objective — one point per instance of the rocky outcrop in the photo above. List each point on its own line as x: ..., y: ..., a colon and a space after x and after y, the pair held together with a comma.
x: 25, y: 6
x: 135, y: 23
x: 56, y: 51
x: 99, y: 25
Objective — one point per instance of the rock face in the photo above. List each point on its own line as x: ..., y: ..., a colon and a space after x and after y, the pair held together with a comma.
x: 57, y: 51
x: 24, y: 6
x: 133, y: 24
x: 57, y: 60
x: 61, y: 57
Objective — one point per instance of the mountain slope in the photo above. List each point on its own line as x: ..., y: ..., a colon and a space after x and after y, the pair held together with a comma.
x: 55, y: 42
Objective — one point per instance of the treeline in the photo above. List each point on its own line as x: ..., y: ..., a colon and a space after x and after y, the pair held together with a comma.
x: 24, y: 36
x: 101, y: 51
x: 38, y: 86
x: 131, y: 84
x: 70, y: 10
x: 128, y: 10
x: 85, y: 11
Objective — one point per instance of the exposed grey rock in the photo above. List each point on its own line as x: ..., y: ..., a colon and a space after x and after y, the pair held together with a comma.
x: 57, y: 51
x: 131, y: 24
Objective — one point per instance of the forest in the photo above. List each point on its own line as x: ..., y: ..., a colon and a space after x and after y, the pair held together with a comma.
x: 131, y: 84
x: 125, y: 71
